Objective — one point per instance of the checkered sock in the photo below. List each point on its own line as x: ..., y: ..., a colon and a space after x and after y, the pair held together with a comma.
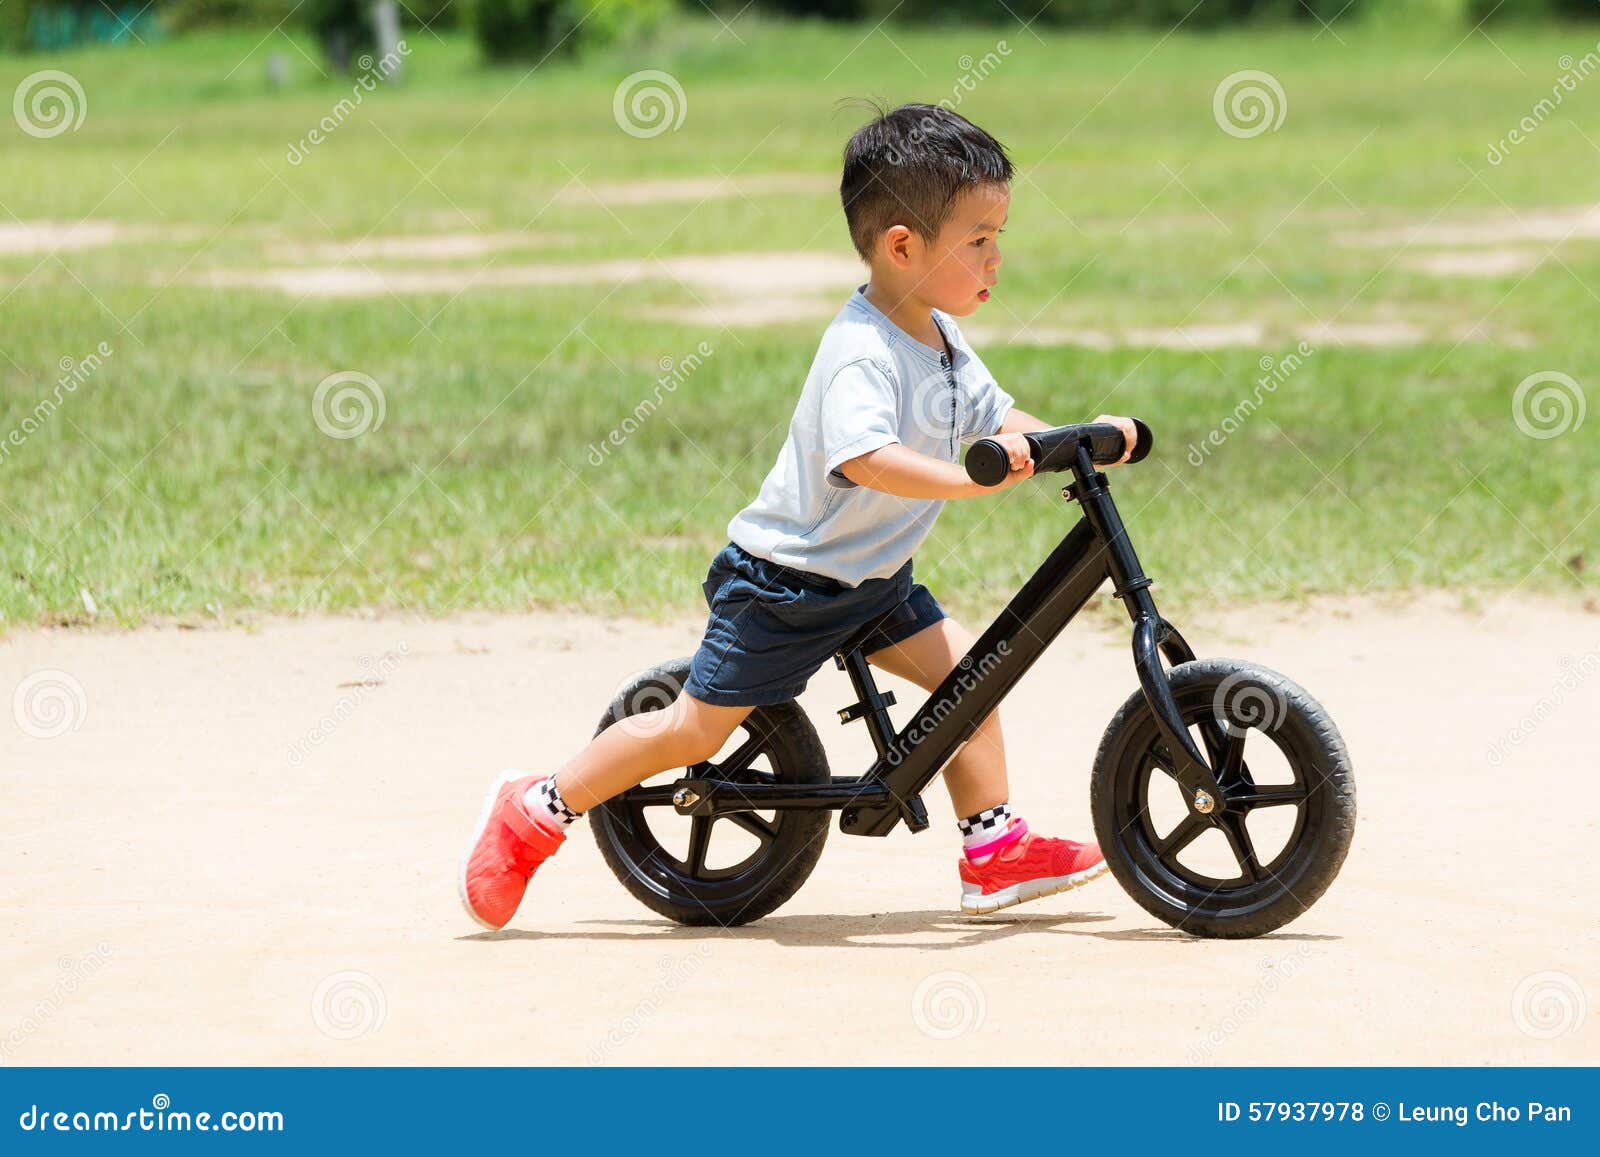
x: 544, y: 799
x: 985, y: 827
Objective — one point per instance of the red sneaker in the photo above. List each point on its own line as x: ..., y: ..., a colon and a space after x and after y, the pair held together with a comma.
x: 1028, y: 867
x: 507, y: 846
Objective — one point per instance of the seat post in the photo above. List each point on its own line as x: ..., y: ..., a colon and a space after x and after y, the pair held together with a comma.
x: 871, y: 703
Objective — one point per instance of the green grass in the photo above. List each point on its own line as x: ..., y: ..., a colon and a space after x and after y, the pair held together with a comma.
x: 187, y: 478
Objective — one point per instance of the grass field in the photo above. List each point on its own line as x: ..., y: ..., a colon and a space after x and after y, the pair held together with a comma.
x: 186, y: 476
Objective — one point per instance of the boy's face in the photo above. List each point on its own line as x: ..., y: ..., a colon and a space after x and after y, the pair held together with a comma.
x: 955, y: 271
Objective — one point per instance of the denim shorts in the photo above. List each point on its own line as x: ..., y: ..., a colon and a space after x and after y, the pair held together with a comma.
x: 773, y: 626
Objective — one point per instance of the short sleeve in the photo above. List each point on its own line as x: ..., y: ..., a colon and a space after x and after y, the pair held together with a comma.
x: 990, y: 404
x: 859, y: 413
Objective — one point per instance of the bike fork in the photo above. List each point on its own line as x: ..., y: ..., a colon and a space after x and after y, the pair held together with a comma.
x: 1153, y: 636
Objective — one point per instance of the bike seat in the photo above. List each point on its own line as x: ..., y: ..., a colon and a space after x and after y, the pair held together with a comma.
x: 861, y: 638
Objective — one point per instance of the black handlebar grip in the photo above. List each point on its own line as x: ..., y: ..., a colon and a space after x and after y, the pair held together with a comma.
x: 1142, y: 444
x: 1054, y: 449
x: 988, y: 463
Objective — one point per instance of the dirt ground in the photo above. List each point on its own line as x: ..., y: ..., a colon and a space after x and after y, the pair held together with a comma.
x: 240, y: 845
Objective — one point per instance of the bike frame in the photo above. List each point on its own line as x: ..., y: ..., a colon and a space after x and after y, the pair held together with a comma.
x: 1094, y: 550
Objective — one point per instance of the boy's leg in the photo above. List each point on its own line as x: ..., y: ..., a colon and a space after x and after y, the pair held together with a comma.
x: 636, y: 747
x: 524, y: 816
x: 976, y: 777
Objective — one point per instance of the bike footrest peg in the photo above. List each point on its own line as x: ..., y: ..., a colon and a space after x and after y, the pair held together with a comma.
x: 856, y: 710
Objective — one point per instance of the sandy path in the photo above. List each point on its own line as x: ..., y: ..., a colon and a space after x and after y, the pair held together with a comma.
x: 179, y: 888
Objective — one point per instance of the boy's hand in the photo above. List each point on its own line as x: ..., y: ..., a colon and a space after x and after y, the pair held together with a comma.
x: 1020, y: 456
x: 1130, y: 435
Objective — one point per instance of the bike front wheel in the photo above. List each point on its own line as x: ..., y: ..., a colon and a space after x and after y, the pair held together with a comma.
x: 1289, y: 805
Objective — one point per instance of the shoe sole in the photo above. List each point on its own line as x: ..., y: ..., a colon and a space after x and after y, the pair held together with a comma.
x: 484, y: 812
x: 978, y: 904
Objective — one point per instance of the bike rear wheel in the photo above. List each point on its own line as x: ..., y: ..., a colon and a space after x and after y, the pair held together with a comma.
x: 715, y: 870
x: 1288, y: 818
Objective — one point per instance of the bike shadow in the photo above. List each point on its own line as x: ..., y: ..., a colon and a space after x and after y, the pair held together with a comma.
x: 897, y: 930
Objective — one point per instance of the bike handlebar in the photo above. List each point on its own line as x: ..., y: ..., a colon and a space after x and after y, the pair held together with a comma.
x: 1055, y: 448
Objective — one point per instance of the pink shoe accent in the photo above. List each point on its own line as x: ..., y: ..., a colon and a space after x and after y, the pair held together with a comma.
x: 1015, y: 830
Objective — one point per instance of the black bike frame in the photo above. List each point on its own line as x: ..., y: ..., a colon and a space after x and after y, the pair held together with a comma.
x: 1094, y: 550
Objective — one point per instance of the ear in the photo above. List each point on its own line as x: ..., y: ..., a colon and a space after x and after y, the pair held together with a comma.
x: 901, y: 246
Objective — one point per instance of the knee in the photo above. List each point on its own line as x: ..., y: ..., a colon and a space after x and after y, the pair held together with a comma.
x: 700, y: 737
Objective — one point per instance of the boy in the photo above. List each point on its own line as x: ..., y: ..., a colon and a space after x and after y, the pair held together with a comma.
x: 872, y: 455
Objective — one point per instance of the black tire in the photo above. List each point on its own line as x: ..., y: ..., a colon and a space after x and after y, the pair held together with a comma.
x: 789, y: 843
x: 1225, y: 700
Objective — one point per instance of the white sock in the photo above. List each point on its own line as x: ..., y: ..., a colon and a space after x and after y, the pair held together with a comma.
x: 544, y: 799
x: 985, y: 827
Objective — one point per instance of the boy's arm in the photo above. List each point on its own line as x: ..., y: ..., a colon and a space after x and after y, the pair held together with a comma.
x: 897, y: 469
x: 1021, y: 422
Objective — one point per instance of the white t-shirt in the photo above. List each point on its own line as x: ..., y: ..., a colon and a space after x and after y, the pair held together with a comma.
x: 870, y: 384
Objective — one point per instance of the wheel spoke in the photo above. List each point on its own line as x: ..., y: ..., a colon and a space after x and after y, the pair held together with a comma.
x: 1230, y: 765
x: 1182, y: 835
x: 699, y: 842
x: 754, y: 824
x: 1232, y: 825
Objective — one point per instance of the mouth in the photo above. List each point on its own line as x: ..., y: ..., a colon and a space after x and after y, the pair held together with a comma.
x: 983, y: 295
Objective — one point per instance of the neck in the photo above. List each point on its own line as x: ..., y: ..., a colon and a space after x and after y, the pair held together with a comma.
x: 907, y: 312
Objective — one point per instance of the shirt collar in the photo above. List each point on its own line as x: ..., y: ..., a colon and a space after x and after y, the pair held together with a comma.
x: 896, y: 334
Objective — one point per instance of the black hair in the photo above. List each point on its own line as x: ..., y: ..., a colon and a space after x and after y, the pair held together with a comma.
x: 907, y: 166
